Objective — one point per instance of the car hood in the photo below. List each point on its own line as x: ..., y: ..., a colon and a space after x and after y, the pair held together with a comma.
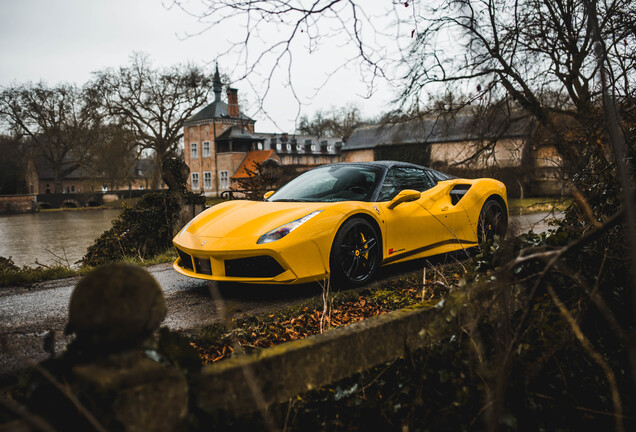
x: 247, y: 218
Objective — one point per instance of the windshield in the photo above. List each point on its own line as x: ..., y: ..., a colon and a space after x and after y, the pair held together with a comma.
x: 331, y: 183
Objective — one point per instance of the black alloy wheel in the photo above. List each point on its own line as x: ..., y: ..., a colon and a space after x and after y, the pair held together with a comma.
x: 355, y: 253
x: 492, y: 221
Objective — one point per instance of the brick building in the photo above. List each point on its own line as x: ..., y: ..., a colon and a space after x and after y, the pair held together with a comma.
x: 221, y: 145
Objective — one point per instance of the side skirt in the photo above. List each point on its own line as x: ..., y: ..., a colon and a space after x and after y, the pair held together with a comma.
x: 422, y: 249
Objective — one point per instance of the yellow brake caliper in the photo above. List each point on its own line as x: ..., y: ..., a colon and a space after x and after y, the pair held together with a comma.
x: 366, y: 254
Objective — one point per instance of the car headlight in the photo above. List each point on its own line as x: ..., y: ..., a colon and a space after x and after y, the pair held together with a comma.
x: 283, y: 230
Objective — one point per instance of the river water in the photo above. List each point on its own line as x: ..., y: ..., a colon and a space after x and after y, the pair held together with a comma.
x: 52, y: 237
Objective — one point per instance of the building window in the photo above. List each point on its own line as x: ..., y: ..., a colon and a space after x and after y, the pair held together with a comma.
x: 259, y: 146
x: 313, y: 147
x: 299, y: 159
x: 195, y: 181
x: 279, y: 147
x: 104, y: 188
x: 206, y: 149
x: 288, y: 147
x: 207, y: 180
x: 193, y: 151
x: 224, y: 179
x: 330, y: 148
x: 72, y: 188
x: 299, y: 148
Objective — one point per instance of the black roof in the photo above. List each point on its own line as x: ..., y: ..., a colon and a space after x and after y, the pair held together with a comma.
x: 215, y: 110
x: 435, y: 129
x: 238, y: 133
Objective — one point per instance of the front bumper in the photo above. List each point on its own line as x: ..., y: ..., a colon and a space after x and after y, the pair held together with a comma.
x: 289, y: 263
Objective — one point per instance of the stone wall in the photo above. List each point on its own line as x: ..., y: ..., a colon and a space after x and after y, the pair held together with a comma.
x: 126, y: 375
x: 18, y: 204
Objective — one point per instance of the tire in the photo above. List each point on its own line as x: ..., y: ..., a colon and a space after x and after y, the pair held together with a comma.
x: 355, y: 253
x: 493, y: 220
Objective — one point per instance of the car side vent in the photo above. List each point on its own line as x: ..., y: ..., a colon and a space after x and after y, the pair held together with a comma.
x: 458, y: 192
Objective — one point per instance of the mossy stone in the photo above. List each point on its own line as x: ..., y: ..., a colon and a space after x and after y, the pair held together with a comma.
x: 116, y: 305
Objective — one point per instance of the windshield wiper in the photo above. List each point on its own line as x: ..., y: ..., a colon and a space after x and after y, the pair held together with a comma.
x: 288, y: 200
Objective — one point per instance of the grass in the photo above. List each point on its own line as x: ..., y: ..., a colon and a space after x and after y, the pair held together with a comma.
x: 28, y: 275
x: 210, y: 201
x: 16, y: 276
x: 540, y: 204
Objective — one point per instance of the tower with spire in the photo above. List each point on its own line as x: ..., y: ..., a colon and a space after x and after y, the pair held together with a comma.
x: 216, y: 140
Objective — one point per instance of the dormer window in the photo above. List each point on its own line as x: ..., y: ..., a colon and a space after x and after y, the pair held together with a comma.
x: 288, y: 147
x: 330, y: 148
x: 299, y: 148
x: 279, y: 147
x: 313, y: 147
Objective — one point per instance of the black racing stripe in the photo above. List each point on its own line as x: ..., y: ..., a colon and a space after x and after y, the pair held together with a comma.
x: 425, y: 248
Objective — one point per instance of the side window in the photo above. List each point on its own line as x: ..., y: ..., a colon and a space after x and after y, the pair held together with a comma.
x: 398, y: 179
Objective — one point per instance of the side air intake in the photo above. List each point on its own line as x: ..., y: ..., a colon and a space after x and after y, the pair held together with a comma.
x: 458, y: 192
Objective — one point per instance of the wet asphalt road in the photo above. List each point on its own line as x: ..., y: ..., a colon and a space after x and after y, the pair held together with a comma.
x: 26, y: 315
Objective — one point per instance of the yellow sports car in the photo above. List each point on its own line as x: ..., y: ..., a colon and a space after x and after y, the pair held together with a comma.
x: 341, y: 221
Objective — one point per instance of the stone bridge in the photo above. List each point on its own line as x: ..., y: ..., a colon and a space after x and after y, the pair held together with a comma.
x: 88, y: 199
x: 32, y: 203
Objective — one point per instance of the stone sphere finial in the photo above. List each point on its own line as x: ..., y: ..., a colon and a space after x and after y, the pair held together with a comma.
x: 116, y: 306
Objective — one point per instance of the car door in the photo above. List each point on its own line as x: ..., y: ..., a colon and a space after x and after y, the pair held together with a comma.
x: 408, y: 225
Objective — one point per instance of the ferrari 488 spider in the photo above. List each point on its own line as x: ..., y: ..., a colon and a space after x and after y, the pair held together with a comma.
x: 341, y: 221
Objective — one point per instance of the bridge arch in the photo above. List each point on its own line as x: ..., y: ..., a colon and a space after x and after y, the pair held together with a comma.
x: 70, y: 204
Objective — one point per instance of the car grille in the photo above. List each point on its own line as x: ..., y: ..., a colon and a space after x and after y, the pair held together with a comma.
x: 258, y: 266
x: 186, y: 260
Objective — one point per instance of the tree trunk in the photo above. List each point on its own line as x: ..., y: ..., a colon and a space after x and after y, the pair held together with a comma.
x: 157, y: 172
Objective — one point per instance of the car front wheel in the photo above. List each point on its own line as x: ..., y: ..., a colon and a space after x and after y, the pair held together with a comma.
x: 355, y: 253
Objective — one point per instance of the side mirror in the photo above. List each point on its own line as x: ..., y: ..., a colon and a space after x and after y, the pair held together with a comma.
x: 406, y: 195
x: 268, y: 194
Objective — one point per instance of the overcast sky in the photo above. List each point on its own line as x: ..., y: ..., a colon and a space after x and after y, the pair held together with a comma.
x: 65, y: 40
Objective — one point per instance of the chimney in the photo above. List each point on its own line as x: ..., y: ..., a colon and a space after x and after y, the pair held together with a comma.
x: 232, y: 102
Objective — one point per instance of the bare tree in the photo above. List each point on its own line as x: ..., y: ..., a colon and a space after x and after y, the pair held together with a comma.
x: 534, y: 54
x: 279, y: 41
x: 60, y: 121
x: 153, y: 103
x: 335, y: 123
x: 538, y: 54
x: 115, y: 156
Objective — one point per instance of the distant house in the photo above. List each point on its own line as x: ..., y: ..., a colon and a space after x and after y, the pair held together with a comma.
x: 221, y: 145
x: 41, y: 180
x: 452, y: 143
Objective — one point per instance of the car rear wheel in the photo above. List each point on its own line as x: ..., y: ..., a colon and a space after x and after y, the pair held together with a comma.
x: 492, y: 221
x: 355, y: 253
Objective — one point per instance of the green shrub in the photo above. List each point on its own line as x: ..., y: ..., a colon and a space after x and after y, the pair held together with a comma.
x: 143, y: 230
